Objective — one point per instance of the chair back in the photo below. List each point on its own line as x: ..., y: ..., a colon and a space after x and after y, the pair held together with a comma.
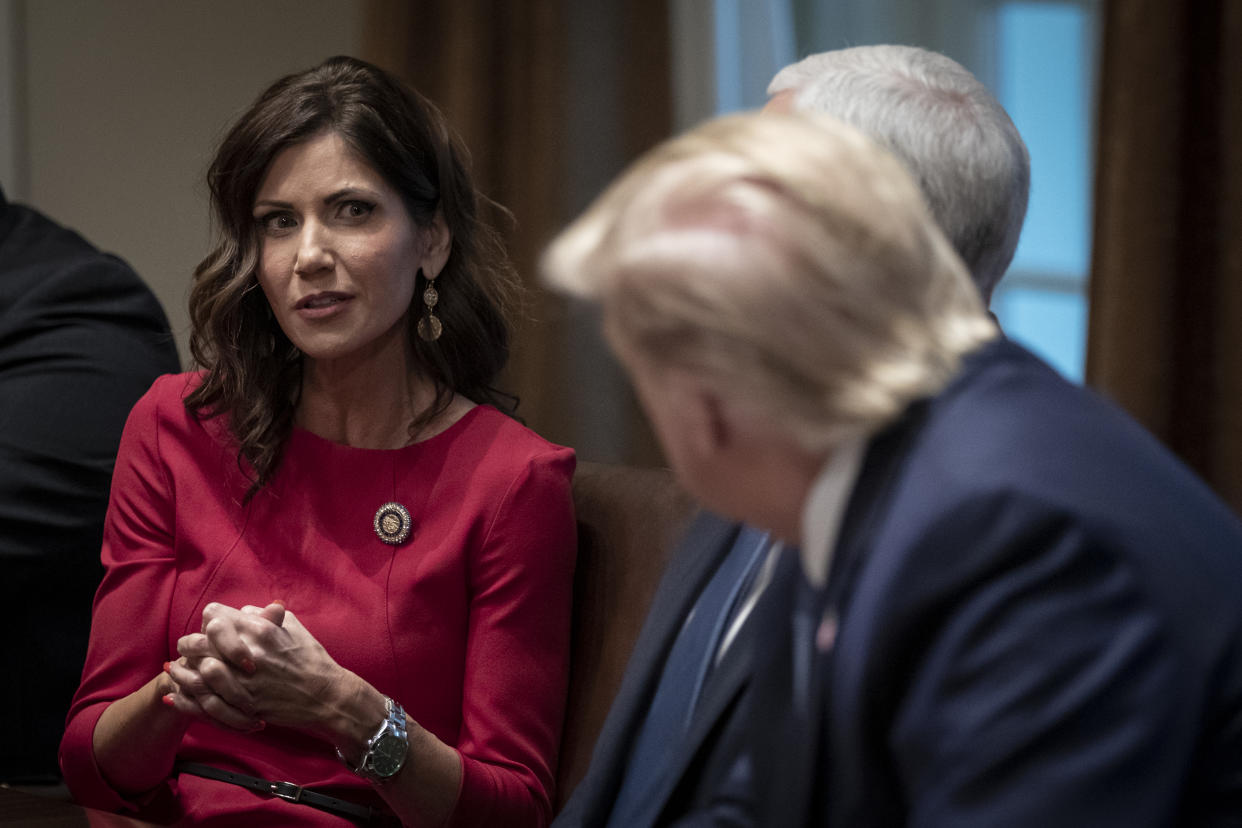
x: 629, y: 519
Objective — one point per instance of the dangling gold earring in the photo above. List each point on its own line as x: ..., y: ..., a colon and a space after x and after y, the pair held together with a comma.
x: 429, y: 327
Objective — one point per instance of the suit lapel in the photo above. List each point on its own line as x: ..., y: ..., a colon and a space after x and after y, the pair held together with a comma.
x: 791, y: 699
x: 795, y: 783
x: 726, y: 683
x: 706, y: 544
x: 881, y: 467
x: 696, y: 558
x: 824, y: 610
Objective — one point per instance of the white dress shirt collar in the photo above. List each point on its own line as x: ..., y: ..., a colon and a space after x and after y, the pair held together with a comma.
x: 825, y: 508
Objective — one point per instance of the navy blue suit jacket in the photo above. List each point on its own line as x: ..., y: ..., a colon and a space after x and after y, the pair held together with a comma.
x: 706, y: 753
x: 1033, y: 618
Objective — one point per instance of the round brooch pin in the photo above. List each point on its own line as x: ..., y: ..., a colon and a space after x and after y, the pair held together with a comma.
x: 392, y: 523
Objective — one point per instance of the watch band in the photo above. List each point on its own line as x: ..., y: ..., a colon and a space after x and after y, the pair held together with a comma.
x: 393, y: 728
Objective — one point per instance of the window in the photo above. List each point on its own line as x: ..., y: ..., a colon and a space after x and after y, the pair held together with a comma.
x: 1046, y: 67
x: 1039, y: 58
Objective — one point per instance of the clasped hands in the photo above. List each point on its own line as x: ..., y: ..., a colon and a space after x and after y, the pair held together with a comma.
x: 251, y: 667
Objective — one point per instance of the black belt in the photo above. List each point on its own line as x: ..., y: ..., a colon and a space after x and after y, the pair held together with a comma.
x: 290, y: 792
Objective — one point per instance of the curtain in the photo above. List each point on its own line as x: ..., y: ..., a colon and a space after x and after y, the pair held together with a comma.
x: 553, y: 98
x: 1165, y: 326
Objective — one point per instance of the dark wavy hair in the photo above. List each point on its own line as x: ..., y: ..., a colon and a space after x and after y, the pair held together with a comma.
x: 252, y: 371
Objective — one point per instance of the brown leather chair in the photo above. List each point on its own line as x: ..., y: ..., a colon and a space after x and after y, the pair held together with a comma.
x: 629, y: 519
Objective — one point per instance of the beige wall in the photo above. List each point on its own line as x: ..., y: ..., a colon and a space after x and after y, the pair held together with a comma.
x: 122, y: 102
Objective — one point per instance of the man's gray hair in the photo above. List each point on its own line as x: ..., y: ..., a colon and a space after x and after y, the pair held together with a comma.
x: 945, y: 126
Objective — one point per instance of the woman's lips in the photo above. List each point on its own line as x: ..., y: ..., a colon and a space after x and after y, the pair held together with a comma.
x: 322, y: 305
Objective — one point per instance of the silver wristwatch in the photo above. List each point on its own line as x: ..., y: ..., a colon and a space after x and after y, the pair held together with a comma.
x: 385, y: 752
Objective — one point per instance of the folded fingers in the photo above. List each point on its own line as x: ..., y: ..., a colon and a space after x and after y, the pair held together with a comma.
x: 210, y: 677
x: 215, y: 710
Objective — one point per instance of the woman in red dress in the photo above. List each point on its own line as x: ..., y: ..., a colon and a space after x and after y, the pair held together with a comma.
x: 338, y: 574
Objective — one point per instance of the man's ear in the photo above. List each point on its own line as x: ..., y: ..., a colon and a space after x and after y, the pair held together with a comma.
x: 438, y: 243
x: 715, y: 427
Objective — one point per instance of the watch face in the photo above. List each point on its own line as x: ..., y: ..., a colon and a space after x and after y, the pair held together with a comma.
x: 388, y: 755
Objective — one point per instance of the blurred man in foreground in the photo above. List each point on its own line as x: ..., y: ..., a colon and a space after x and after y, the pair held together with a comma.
x: 686, y: 679
x: 1012, y: 606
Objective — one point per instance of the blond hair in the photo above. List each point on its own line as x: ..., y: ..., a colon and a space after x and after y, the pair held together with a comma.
x: 787, y: 260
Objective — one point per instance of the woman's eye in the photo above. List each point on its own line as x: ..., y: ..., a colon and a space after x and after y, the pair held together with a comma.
x: 355, y: 210
x: 275, y: 223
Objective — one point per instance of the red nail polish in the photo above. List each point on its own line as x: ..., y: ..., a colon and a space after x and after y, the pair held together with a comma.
x: 167, y: 666
x: 278, y: 601
x: 168, y: 700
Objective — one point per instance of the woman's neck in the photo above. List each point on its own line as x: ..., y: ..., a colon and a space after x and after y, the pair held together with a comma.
x: 367, y: 403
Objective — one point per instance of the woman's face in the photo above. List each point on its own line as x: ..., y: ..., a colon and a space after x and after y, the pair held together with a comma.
x: 339, y: 251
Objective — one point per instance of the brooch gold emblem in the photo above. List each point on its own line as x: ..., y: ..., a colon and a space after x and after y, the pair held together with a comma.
x: 392, y: 523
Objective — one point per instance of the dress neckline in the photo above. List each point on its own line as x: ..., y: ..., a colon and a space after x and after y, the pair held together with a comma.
x: 311, y: 439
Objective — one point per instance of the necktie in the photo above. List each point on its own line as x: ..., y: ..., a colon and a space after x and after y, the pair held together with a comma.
x: 682, y: 679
